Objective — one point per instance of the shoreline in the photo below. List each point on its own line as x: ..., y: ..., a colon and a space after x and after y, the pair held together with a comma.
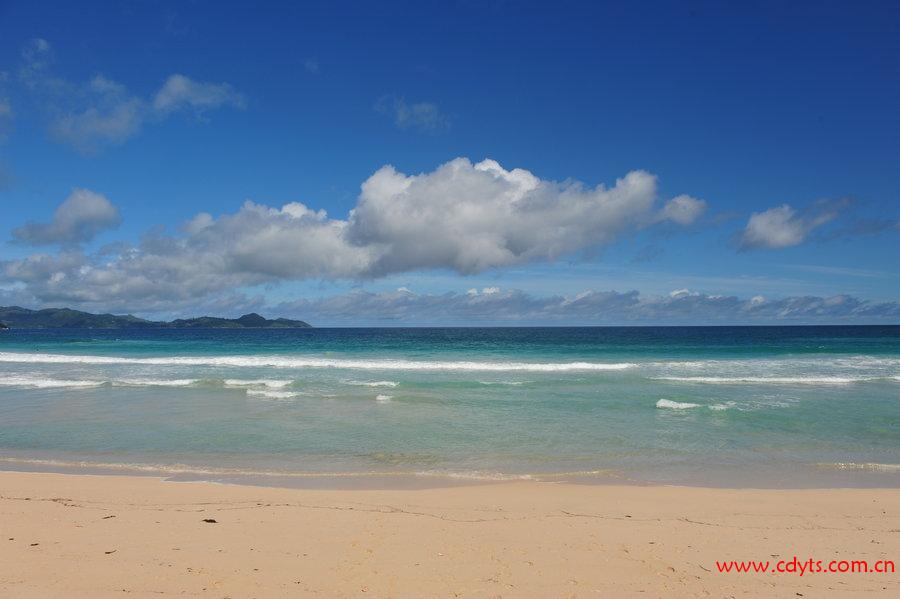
x: 104, y: 536
x: 809, y: 477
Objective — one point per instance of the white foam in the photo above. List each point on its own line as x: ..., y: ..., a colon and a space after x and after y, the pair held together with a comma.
x: 484, y: 475
x: 860, y: 362
x: 46, y: 383
x: 771, y: 380
x: 274, y: 384
x: 675, y: 405
x: 374, y: 383
x: 154, y: 382
x: 270, y: 394
x: 188, y: 469
x: 872, y: 467
x: 41, y: 383
x: 384, y: 398
x: 310, y: 362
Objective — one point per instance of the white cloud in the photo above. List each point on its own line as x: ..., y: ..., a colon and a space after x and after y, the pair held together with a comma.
x: 472, y: 217
x: 179, y: 92
x: 78, y: 219
x: 108, y: 115
x: 683, y: 210
x: 424, y: 117
x: 461, y: 216
x: 101, y: 112
x: 781, y: 227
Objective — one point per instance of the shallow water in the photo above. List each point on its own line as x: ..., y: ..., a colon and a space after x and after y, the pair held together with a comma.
x: 761, y: 406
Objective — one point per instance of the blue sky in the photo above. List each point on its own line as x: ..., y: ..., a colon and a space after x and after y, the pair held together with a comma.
x: 159, y: 111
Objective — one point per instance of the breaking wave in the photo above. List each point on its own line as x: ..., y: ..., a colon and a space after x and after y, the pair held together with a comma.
x: 271, y: 394
x: 773, y: 380
x: 310, y: 362
x: 667, y: 404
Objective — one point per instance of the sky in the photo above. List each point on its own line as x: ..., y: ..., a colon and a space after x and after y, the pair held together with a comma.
x: 407, y: 163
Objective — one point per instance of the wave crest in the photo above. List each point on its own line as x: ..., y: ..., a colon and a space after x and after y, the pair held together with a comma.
x: 770, y: 380
x: 667, y: 404
x: 311, y: 362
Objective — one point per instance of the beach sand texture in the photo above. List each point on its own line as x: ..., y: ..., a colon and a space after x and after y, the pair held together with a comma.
x: 117, y: 536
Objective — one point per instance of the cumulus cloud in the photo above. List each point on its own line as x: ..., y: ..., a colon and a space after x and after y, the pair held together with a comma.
x: 461, y: 216
x: 471, y: 217
x: 782, y: 227
x: 590, y: 307
x: 424, y: 117
x: 78, y: 219
x: 683, y: 210
x: 102, y: 112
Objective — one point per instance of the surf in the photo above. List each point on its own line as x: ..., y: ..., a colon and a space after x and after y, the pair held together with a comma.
x: 298, y: 362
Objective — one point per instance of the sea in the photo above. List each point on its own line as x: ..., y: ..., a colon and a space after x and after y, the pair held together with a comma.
x: 781, y: 407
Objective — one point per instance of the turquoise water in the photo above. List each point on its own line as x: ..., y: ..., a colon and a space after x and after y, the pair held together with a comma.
x: 766, y: 406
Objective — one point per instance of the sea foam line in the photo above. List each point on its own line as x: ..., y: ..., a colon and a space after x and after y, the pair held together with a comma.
x: 275, y: 384
x: 773, y: 380
x: 270, y: 394
x: 374, y: 383
x: 845, y: 362
x: 40, y: 383
x: 868, y: 466
x: 49, y: 383
x: 187, y: 469
x: 308, y: 362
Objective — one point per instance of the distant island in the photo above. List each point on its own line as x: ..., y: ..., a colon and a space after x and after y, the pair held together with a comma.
x: 66, y: 318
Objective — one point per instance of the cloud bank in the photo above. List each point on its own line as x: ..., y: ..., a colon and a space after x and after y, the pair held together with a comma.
x: 495, y: 306
x: 101, y: 112
x: 461, y: 216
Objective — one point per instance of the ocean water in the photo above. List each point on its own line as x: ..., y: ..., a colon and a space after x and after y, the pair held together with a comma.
x: 742, y: 406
